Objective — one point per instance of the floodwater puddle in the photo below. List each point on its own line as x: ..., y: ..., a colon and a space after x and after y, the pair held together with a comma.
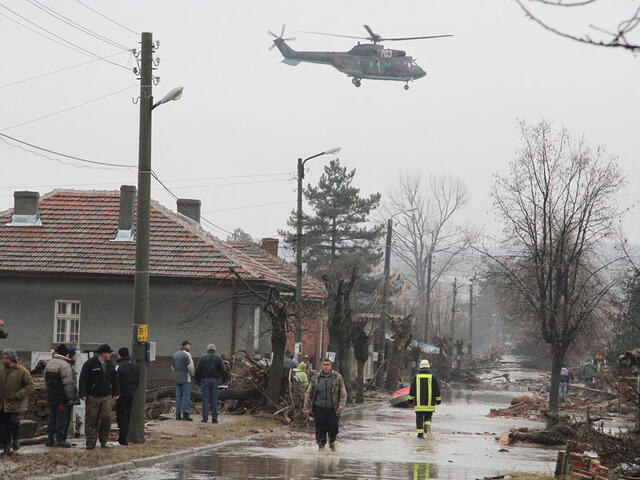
x: 377, y: 442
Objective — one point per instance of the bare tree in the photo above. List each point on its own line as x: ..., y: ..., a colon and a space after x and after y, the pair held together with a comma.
x: 557, y: 204
x: 617, y: 37
x: 427, y: 238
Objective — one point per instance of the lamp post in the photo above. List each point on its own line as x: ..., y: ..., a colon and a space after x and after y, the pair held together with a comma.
x: 298, y: 298
x: 141, y: 279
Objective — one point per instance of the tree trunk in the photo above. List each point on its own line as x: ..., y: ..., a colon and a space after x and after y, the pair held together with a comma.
x: 359, y: 397
x: 402, y: 330
x: 556, y: 365
x: 278, y: 342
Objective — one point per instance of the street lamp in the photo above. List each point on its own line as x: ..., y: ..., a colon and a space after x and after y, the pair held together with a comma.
x: 298, y: 298
x: 141, y: 279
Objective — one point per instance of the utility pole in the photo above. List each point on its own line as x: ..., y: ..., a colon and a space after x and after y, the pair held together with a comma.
x: 471, y: 317
x: 141, y: 281
x: 382, y: 332
x: 298, y: 312
x: 453, y: 305
x: 427, y: 316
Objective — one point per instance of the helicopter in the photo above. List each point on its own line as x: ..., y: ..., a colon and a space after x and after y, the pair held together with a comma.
x: 364, y: 61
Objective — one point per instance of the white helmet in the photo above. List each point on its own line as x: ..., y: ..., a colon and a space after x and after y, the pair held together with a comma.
x: 425, y: 364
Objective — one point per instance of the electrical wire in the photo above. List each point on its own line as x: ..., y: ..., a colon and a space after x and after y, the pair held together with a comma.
x: 68, y: 109
x: 252, y: 206
x: 77, y: 26
x: 155, y: 176
x: 18, y: 82
x: 4, y: 137
x: 67, y: 43
x: 107, y: 18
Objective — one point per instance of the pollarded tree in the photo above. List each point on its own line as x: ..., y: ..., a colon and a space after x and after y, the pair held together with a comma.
x: 557, y: 204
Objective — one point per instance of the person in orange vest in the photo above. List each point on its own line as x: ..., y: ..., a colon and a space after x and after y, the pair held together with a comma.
x: 425, y: 394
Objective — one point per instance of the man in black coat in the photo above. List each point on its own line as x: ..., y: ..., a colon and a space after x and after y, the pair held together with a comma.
x: 210, y: 373
x: 61, y: 393
x: 98, y: 387
x: 127, y: 377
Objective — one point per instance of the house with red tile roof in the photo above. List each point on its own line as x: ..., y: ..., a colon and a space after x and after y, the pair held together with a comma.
x: 67, y: 263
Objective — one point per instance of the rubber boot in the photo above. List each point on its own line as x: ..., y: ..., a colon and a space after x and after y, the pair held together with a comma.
x: 7, y: 448
x: 50, y: 441
x: 61, y: 442
x: 16, y: 444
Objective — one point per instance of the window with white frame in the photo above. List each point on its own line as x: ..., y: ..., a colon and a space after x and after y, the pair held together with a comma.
x: 67, y: 322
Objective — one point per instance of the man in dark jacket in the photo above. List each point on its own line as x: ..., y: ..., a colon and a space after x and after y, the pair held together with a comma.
x: 210, y: 373
x: 327, y: 396
x: 127, y: 378
x: 98, y: 387
x: 61, y: 393
x: 425, y: 393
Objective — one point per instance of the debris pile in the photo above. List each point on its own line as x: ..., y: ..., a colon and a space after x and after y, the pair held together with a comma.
x: 522, y: 406
x: 38, y: 406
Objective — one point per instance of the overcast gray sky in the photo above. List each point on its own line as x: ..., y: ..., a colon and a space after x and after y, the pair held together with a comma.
x: 233, y: 139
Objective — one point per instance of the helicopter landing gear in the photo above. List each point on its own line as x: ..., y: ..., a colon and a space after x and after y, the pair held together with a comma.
x: 356, y: 81
x: 406, y: 86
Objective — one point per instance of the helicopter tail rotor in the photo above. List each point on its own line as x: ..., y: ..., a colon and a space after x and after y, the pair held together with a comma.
x: 279, y: 37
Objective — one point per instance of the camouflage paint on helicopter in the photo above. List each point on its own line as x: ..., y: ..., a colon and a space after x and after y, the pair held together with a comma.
x: 370, y: 61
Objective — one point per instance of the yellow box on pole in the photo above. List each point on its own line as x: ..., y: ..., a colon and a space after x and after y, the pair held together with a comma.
x: 143, y: 333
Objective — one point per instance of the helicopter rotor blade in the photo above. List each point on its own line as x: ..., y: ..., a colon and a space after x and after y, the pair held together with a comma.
x: 272, y: 34
x: 335, y: 35
x: 282, y: 31
x: 290, y: 39
x: 412, y: 38
x: 372, y: 35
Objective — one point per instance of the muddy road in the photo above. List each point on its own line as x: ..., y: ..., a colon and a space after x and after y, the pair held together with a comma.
x: 377, y: 442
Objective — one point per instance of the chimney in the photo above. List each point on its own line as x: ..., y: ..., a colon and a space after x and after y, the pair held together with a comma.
x: 270, y: 245
x: 189, y: 208
x: 26, y: 210
x: 125, y: 218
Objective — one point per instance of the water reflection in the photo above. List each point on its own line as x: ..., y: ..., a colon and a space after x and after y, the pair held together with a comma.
x: 376, y: 442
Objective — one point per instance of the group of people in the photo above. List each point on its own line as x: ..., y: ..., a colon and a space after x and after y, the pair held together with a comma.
x: 100, y: 383
x: 209, y: 374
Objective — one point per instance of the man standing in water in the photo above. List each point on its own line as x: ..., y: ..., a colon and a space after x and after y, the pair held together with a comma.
x: 425, y: 393
x: 327, y: 396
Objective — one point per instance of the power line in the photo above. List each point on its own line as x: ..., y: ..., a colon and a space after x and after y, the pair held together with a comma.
x: 69, y: 108
x: 67, y: 43
x: 17, y: 82
x: 252, y: 206
x: 155, y: 176
x: 4, y: 136
x: 77, y: 26
x: 107, y: 18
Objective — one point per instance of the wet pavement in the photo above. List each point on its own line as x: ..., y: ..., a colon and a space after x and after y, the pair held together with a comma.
x: 377, y: 442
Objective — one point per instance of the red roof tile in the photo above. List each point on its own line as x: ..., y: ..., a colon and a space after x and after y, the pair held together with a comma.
x: 312, y: 288
x: 77, y: 232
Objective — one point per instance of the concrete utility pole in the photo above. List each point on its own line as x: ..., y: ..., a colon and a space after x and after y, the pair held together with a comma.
x: 427, y: 315
x: 453, y: 305
x: 381, y: 336
x: 471, y: 317
x: 298, y: 296
x: 141, y: 281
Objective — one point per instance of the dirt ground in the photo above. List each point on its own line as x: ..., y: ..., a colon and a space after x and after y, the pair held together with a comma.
x: 161, y: 437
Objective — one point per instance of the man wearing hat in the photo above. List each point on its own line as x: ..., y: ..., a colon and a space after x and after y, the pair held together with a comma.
x: 98, y: 386
x: 184, y: 369
x: 425, y: 393
x: 61, y: 393
x: 127, y: 377
x: 16, y: 385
